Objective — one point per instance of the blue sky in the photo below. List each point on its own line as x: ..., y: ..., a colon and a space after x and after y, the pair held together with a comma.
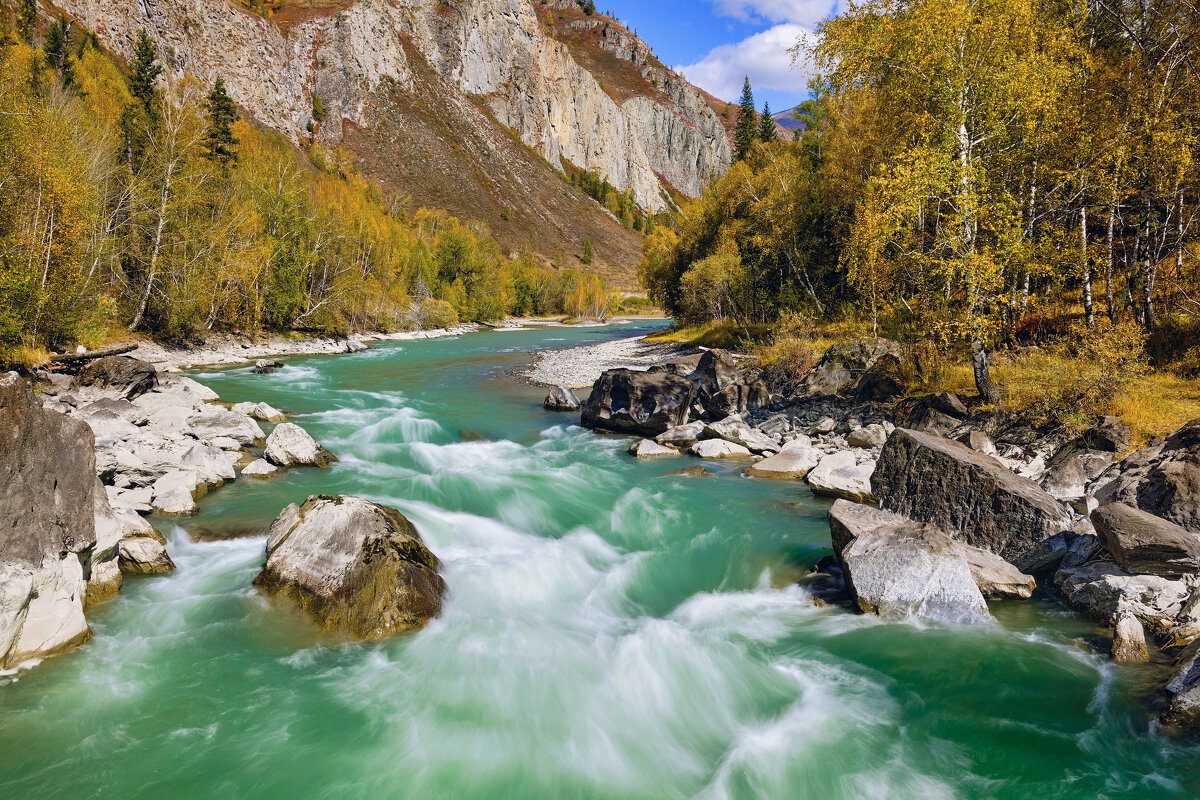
x: 715, y: 43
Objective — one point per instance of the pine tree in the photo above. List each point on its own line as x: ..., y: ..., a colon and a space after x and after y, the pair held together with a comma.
x: 766, y: 128
x: 588, y: 254
x: 143, y: 73
x: 219, y: 140
x: 27, y: 21
x: 58, y: 53
x: 747, y: 124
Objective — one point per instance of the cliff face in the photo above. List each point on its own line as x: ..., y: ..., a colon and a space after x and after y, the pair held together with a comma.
x: 572, y: 87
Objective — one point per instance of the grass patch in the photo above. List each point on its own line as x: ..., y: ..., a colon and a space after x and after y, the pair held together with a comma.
x: 725, y: 334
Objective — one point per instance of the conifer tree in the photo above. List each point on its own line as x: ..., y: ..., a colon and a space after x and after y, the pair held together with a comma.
x: 27, y: 21
x: 219, y: 141
x: 58, y: 53
x: 766, y: 128
x: 143, y: 73
x: 747, y: 124
x: 588, y: 253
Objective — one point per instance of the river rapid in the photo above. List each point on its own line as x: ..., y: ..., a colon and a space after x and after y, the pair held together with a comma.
x: 610, y: 631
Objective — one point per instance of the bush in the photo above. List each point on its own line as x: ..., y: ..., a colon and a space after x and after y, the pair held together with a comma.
x: 786, y: 362
x: 436, y: 314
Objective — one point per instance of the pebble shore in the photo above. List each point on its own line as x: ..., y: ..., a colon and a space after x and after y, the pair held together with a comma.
x: 580, y: 367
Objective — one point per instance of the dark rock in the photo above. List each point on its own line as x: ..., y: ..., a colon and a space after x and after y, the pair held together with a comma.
x: 935, y: 413
x: 978, y: 441
x: 1108, y: 435
x: 1046, y: 556
x: 1143, y: 544
x: 900, y: 569
x: 265, y: 366
x: 1163, y: 480
x: 691, y: 472
x: 682, y: 367
x: 722, y: 389
x: 120, y: 375
x: 353, y: 566
x: 948, y: 484
x: 882, y: 382
x: 844, y: 365
x: 640, y: 403
x: 561, y: 398
x: 1182, y: 714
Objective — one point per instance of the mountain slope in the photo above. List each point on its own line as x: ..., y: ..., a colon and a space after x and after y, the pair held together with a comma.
x: 471, y: 105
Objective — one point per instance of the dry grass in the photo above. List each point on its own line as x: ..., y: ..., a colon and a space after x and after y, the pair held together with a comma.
x: 1157, y: 404
x: 725, y: 334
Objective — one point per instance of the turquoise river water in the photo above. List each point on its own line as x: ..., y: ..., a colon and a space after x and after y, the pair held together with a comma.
x: 611, y: 631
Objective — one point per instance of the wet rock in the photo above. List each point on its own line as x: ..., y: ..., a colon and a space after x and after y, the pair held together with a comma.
x: 682, y: 435
x: 899, y: 569
x: 261, y: 468
x: 789, y: 465
x: 265, y: 366
x: 734, y: 429
x: 145, y: 555
x: 719, y: 448
x: 1182, y: 714
x: 117, y: 376
x: 260, y: 411
x: 946, y: 483
x: 648, y: 449
x: 213, y: 422
x: 1143, y: 544
x: 353, y: 566
x: 840, y: 475
x: 561, y: 398
x: 289, y: 445
x: 1101, y: 589
x: 638, y: 403
x: 104, y: 578
x: 1129, y: 640
x: 691, y: 472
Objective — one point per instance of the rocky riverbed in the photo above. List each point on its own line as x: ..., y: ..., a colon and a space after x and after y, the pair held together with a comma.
x: 580, y: 367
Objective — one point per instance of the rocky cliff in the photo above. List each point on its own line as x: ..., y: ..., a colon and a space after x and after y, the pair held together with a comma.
x: 573, y: 87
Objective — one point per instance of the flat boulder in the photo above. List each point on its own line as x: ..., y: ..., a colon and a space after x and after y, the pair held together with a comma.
x: 353, y: 566
x: 978, y: 500
x: 214, y: 422
x: 719, y: 448
x: 261, y: 468
x: 734, y: 429
x: 899, y: 569
x: 840, y: 475
x: 789, y: 465
x: 648, y: 449
x: 1103, y: 591
x: 996, y: 578
x: 118, y: 376
x: 262, y: 412
x: 638, y: 403
x: 682, y: 435
x: 1143, y: 544
x: 289, y: 445
x: 561, y: 398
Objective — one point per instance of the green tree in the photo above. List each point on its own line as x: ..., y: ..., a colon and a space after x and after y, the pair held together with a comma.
x: 219, y: 141
x: 746, y: 131
x: 143, y: 72
x: 588, y: 254
x: 58, y: 53
x: 766, y: 128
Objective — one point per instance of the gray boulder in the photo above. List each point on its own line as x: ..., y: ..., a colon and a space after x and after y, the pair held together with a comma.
x: 939, y: 414
x: 979, y: 441
x: 1182, y: 714
x: 1143, y: 544
x: 117, y: 376
x: 259, y: 411
x: 682, y: 435
x: 648, y: 449
x: 1103, y: 590
x: 289, y: 445
x: 1163, y: 480
x: 995, y: 577
x: 1129, y: 640
x: 638, y: 403
x: 868, y: 438
x: 843, y: 365
x: 353, y: 566
x: 261, y: 468
x: 722, y: 389
x: 561, y: 398
x: 789, y: 465
x: 719, y: 448
x: 840, y: 475
x: 145, y: 554
x: 899, y: 569
x: 48, y: 504
x: 213, y: 422
x: 734, y: 429
x: 946, y: 483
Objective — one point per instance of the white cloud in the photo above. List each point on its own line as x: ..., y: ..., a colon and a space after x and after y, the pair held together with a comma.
x: 764, y: 57
x: 801, y: 12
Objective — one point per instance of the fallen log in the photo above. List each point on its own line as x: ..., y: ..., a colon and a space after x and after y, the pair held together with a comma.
x: 91, y: 355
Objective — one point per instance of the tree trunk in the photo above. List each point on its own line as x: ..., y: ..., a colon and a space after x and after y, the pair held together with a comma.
x: 983, y: 375
x: 158, y: 236
x: 1148, y: 271
x: 1108, y: 275
x: 1087, y: 267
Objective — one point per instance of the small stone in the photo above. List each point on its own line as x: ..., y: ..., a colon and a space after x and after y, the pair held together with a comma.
x: 1129, y: 640
x: 289, y: 445
x: 561, y: 398
x: 261, y: 468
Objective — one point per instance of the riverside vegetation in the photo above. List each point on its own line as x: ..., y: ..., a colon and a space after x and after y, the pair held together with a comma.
x: 1009, y: 190
x: 135, y: 202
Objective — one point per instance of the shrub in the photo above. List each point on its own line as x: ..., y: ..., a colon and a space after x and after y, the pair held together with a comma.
x: 786, y: 362
x: 436, y: 314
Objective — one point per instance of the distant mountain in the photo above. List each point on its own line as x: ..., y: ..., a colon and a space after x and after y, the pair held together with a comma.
x: 787, y: 120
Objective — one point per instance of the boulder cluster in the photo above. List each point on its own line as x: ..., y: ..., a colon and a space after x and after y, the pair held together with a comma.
x: 941, y: 508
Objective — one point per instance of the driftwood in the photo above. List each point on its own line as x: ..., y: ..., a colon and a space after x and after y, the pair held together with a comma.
x: 91, y: 355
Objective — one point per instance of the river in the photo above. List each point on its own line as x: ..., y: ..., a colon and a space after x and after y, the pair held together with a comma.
x: 611, y: 631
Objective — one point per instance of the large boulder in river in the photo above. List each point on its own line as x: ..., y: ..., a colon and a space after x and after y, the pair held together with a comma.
x: 561, y: 398
x: 638, y: 403
x: 289, y: 445
x: 840, y: 475
x: 899, y: 569
x: 48, y: 536
x: 1143, y: 544
x: 353, y: 566
x: 723, y: 390
x: 973, y: 496
x: 118, y: 376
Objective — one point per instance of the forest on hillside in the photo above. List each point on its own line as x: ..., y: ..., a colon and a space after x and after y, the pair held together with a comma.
x: 973, y: 175
x: 136, y: 202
